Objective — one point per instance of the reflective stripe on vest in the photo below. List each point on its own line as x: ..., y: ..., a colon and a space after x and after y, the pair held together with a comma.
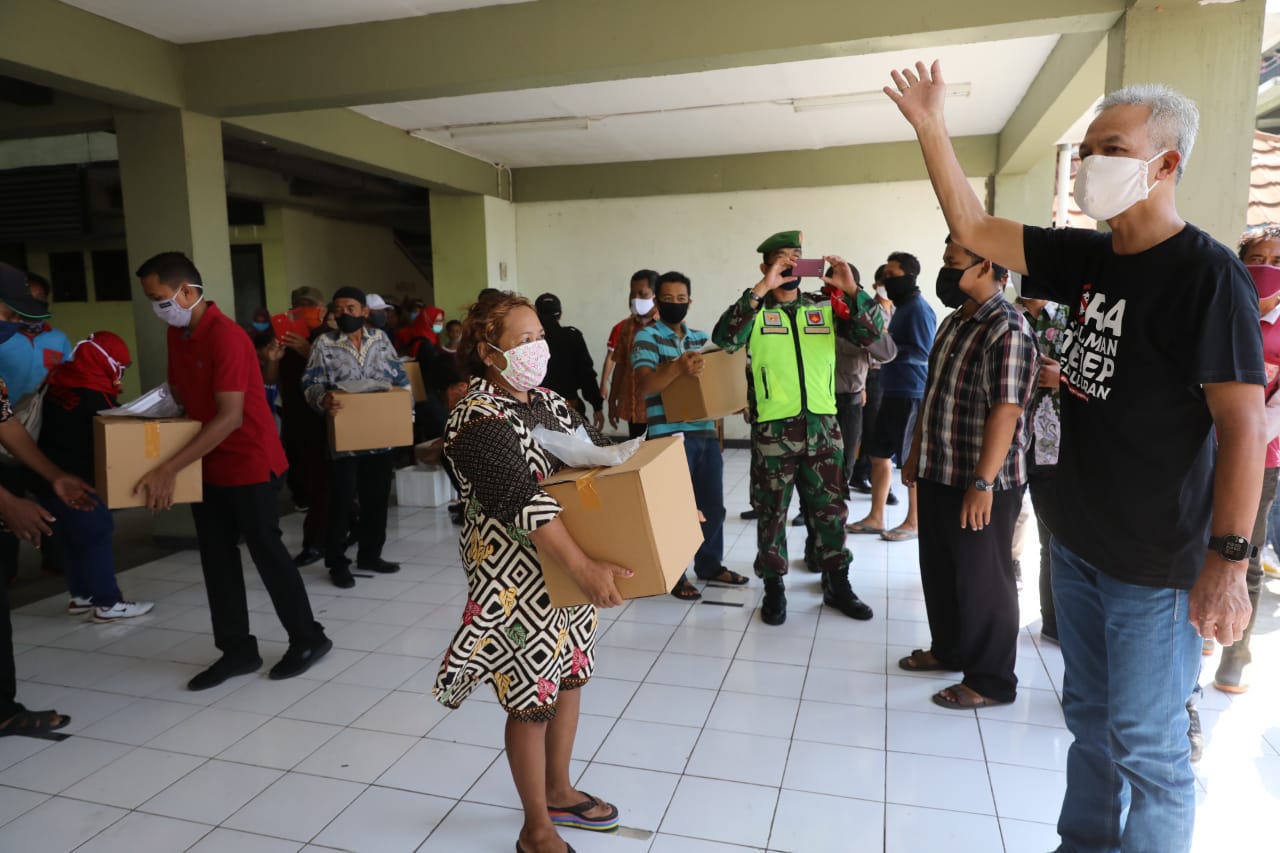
x: 793, y: 362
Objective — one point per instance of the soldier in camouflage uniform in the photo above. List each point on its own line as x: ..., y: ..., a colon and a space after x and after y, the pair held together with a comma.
x: 795, y: 437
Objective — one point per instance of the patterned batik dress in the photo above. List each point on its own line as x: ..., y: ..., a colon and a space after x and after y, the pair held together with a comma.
x: 510, y: 634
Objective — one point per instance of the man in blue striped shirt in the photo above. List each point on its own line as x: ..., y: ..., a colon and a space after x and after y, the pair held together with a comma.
x: 661, y: 353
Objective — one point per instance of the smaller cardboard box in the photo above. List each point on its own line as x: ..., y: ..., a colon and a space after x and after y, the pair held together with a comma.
x: 640, y: 515
x: 376, y: 420
x: 720, y: 391
x: 414, y: 371
x: 125, y: 449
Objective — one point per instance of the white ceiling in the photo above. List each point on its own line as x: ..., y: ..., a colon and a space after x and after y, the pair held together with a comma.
x: 185, y: 21
x: 731, y: 111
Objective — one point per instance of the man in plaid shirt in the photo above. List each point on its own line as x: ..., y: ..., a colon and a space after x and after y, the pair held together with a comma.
x: 968, y: 465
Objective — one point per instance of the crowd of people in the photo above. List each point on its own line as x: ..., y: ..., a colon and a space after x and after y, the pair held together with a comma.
x: 1149, y: 349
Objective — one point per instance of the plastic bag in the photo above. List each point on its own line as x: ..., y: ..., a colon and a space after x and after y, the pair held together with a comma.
x: 156, y: 403
x: 577, y: 450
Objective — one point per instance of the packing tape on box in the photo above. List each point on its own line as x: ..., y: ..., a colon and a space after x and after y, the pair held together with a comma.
x: 151, y: 440
x: 587, y: 495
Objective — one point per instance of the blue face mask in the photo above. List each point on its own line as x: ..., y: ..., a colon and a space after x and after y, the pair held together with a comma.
x: 261, y: 326
x: 413, y: 315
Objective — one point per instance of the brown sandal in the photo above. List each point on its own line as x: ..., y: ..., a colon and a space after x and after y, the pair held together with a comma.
x: 686, y: 591
x: 950, y: 697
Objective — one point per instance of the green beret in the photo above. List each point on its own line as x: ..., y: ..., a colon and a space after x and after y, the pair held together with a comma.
x: 781, y: 240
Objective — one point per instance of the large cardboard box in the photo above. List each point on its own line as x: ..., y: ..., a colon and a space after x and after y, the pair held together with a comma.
x: 720, y: 391
x: 373, y: 421
x: 124, y: 449
x: 414, y: 371
x: 640, y: 515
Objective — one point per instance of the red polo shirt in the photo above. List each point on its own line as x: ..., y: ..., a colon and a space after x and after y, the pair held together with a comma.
x: 217, y: 356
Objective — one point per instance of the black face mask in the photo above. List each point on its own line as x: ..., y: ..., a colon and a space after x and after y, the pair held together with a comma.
x: 673, y: 313
x: 948, y: 288
x: 349, y: 324
x: 378, y: 320
x: 900, y: 287
x: 789, y: 283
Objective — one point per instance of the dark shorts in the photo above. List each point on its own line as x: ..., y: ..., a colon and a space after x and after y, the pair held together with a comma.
x: 894, y: 426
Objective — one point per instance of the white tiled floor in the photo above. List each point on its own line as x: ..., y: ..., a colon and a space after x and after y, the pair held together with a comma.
x: 713, y: 732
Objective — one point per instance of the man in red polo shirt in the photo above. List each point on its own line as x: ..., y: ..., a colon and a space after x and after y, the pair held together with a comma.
x: 213, y: 372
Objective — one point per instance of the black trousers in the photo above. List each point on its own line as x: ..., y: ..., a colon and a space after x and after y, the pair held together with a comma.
x: 1043, y: 504
x: 870, y: 410
x: 8, y: 673
x: 849, y: 413
x: 227, y: 514
x: 969, y: 589
x: 369, y: 478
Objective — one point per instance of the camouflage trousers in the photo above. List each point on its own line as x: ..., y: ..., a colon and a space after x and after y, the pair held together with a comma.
x: 804, y: 453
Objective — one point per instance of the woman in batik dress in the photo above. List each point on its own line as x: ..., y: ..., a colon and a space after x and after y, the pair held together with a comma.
x: 537, y: 657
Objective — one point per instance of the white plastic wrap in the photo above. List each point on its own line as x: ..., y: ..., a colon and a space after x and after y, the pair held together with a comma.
x: 156, y: 403
x: 577, y: 450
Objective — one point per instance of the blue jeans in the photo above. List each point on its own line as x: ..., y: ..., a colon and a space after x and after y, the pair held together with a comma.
x: 87, y: 557
x: 1132, y: 659
x: 706, y: 468
x: 1273, y: 525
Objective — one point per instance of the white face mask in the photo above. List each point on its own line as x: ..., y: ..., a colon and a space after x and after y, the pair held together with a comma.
x: 641, y: 307
x: 174, y: 314
x: 881, y: 293
x: 1108, y: 186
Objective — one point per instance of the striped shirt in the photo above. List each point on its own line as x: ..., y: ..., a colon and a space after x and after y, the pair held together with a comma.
x: 658, y: 344
x: 976, y: 363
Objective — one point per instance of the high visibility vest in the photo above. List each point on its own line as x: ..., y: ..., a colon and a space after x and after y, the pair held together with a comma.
x: 793, y: 361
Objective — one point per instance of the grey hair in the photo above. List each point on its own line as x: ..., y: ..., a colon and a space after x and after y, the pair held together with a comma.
x: 1174, y: 117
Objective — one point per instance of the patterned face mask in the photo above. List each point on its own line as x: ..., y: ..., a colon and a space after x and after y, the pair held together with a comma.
x: 526, y: 364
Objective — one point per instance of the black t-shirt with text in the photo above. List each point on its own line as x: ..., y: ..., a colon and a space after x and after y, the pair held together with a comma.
x: 1135, y: 471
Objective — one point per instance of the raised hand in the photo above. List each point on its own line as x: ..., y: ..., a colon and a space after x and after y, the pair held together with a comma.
x: 919, y: 94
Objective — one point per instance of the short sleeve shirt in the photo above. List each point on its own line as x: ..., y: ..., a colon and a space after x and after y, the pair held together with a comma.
x: 1145, y: 333
x: 217, y: 357
x: 656, y: 345
x: 612, y: 343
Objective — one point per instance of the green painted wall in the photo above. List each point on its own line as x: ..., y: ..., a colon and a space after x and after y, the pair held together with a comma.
x: 459, y: 251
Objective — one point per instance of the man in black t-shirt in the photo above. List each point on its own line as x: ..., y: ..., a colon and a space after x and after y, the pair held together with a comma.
x: 1150, y: 539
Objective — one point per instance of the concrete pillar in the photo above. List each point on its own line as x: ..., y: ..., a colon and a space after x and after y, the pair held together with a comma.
x: 175, y: 199
x: 1209, y: 53
x: 473, y: 246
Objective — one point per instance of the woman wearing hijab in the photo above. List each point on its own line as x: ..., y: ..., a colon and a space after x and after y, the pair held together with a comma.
x: 79, y: 389
x: 427, y: 327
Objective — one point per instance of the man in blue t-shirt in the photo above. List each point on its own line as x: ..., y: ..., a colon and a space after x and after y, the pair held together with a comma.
x: 902, y: 384
x: 661, y: 353
x: 1161, y: 354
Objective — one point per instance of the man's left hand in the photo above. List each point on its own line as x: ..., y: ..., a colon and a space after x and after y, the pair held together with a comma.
x: 597, y: 420
x: 841, y: 276
x: 1219, y: 602
x: 975, y: 509
x: 74, y: 492
x: 157, y: 488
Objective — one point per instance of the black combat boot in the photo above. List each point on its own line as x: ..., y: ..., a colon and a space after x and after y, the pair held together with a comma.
x: 773, y: 610
x: 837, y: 593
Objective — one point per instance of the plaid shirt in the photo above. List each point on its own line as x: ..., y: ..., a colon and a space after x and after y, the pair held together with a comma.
x: 976, y: 363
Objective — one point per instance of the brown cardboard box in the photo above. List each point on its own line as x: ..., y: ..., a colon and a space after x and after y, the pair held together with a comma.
x: 373, y: 421
x: 720, y: 391
x: 124, y: 449
x: 640, y: 515
x: 419, y: 388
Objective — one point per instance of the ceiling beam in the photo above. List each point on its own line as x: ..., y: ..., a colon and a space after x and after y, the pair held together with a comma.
x: 66, y: 48
x: 67, y: 114
x: 350, y: 139
x: 561, y: 42
x: 853, y: 164
x: 1071, y: 79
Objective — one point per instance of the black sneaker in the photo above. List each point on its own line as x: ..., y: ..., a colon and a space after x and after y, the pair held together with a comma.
x: 299, y: 659
x: 837, y: 593
x: 341, y: 577
x: 862, y: 487
x: 223, y: 668
x: 892, y: 500
x: 1194, y: 735
x: 381, y: 566
x: 307, y: 556
x: 798, y: 521
x: 773, y: 610
x: 749, y: 514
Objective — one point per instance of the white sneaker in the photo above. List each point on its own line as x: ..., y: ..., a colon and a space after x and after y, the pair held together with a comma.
x: 78, y: 606
x: 122, y: 610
